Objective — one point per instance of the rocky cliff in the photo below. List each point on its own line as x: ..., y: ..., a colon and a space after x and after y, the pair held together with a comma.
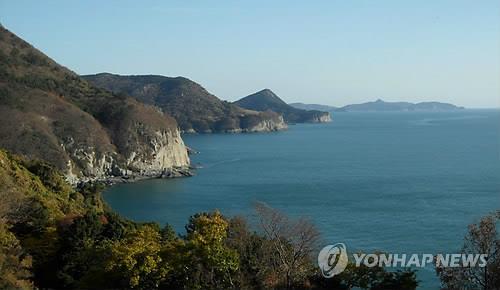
x: 325, y: 117
x: 166, y: 151
x: 269, y: 125
x: 162, y: 155
x: 252, y: 123
x: 48, y: 112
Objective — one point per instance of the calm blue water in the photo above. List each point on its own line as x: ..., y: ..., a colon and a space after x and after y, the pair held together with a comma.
x: 396, y: 182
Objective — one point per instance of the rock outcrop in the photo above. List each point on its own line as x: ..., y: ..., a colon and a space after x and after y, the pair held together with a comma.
x: 252, y: 124
x: 325, y: 117
x: 276, y: 124
x: 166, y: 151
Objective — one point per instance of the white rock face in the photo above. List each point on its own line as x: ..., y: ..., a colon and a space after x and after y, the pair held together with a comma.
x: 94, y: 165
x: 325, y: 118
x: 165, y: 152
x: 269, y: 125
x: 266, y: 125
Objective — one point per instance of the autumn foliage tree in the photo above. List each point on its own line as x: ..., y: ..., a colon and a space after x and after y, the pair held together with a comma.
x: 212, y: 264
x: 136, y: 259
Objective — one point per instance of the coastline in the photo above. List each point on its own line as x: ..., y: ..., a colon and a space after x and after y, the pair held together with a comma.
x: 132, y: 178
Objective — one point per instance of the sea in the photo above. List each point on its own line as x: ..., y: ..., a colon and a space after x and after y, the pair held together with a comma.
x: 398, y: 182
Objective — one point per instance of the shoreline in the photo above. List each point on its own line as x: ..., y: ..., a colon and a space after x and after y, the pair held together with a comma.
x: 132, y: 178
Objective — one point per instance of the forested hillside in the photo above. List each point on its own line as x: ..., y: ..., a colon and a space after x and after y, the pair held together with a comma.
x: 48, y: 112
x: 193, y: 107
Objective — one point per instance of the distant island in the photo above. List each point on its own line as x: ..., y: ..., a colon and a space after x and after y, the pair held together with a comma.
x: 383, y: 106
x: 267, y: 100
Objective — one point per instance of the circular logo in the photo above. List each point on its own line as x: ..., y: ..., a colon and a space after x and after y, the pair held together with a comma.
x: 332, y: 260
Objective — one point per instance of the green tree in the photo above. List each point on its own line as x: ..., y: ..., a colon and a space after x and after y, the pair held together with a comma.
x: 205, y: 261
x: 136, y: 259
x: 14, y: 263
x: 258, y: 267
x: 77, y: 243
x: 363, y: 277
x: 83, y: 249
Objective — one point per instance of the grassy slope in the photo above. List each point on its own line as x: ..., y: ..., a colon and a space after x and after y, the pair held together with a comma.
x: 20, y: 187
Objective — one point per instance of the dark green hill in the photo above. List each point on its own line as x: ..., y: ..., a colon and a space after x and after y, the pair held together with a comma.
x: 266, y: 100
x: 48, y: 112
x: 194, y: 108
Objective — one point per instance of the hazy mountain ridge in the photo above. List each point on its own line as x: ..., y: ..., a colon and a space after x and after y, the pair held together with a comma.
x: 316, y: 107
x: 194, y: 108
x: 48, y: 112
x: 266, y: 100
x: 380, y: 106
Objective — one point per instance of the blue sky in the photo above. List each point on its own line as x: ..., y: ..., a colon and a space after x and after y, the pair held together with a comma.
x: 329, y: 52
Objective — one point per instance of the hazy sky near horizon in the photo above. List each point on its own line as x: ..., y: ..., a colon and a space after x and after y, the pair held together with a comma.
x: 328, y: 52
